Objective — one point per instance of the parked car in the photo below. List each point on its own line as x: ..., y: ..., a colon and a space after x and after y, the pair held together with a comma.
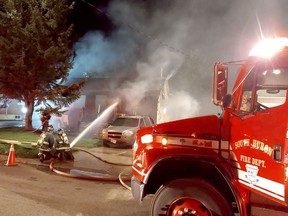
x: 121, y: 132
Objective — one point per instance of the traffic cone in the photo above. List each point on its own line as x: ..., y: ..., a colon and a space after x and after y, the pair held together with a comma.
x: 11, y: 158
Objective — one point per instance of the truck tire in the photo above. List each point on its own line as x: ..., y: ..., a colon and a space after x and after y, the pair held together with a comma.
x: 190, y: 197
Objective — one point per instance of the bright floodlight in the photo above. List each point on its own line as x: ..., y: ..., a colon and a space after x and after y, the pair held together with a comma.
x: 269, y: 47
x: 24, y: 110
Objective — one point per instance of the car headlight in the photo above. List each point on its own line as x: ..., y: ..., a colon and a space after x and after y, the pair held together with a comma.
x: 104, y: 133
x: 128, y: 133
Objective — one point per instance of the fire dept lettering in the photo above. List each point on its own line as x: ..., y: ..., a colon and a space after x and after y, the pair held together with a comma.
x: 255, y: 144
x: 253, y: 161
x: 245, y: 159
x: 242, y: 143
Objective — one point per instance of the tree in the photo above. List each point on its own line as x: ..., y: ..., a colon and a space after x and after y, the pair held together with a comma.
x: 35, y: 54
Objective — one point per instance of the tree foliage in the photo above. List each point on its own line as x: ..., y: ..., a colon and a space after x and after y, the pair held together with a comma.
x: 35, y: 54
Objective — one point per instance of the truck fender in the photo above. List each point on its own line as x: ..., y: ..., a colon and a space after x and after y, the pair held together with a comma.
x: 215, y: 171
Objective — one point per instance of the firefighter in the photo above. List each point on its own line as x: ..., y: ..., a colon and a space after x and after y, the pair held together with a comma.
x: 63, y: 143
x: 46, y: 144
x: 245, y: 103
x: 47, y: 139
x: 40, y: 141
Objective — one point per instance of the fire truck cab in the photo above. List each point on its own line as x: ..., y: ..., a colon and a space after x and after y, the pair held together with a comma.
x: 228, y: 164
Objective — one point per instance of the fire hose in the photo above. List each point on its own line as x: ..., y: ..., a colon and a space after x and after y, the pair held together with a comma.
x: 120, y: 177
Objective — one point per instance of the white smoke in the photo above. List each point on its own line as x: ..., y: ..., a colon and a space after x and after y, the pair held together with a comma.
x: 96, y: 53
x: 184, y: 38
x: 180, y: 105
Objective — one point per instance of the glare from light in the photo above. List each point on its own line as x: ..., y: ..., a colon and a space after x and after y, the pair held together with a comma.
x: 128, y: 133
x: 264, y: 73
x: 148, y: 138
x: 277, y: 71
x: 269, y: 47
x: 135, y: 147
x: 24, y: 110
x: 164, y: 141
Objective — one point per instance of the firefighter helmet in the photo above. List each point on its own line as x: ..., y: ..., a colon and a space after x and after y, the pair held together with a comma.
x: 60, y: 131
x: 50, y: 128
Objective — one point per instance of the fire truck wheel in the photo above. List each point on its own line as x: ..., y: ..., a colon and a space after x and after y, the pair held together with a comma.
x: 189, y: 197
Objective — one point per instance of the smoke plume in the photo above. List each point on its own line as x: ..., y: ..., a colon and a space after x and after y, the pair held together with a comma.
x: 155, y: 39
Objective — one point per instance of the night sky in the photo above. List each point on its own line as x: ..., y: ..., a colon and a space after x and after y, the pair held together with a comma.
x: 90, y: 15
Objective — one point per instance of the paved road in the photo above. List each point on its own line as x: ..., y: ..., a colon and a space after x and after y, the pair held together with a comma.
x: 30, y: 188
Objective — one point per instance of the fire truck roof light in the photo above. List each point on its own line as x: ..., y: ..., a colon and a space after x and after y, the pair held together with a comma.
x: 269, y: 47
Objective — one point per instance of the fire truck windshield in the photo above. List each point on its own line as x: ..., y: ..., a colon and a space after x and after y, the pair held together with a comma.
x: 272, y: 86
x: 265, y: 86
x: 273, y: 78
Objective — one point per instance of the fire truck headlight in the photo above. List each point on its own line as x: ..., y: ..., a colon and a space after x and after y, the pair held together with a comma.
x: 286, y: 173
x: 148, y: 138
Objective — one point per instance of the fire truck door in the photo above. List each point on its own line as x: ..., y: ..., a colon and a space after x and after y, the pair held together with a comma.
x: 258, y: 142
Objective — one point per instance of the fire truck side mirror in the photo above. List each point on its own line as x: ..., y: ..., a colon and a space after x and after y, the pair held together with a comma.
x: 220, y: 83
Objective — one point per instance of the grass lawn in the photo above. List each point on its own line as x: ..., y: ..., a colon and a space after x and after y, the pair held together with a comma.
x: 26, y: 150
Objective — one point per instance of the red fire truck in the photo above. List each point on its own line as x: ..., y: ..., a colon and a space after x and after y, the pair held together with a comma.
x: 235, y: 163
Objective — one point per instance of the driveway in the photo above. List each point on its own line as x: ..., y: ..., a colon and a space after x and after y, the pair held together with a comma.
x: 30, y: 188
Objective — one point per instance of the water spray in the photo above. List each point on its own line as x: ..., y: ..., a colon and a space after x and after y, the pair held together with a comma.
x: 122, y: 178
x: 98, y: 119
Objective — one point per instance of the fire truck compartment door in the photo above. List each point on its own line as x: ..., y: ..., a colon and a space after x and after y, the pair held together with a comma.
x: 258, y: 142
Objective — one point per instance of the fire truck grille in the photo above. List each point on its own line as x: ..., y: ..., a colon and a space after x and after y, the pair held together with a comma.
x: 114, y: 135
